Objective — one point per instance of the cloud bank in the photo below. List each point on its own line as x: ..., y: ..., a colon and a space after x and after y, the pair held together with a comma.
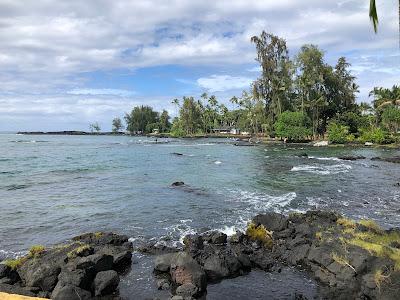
x: 52, y: 51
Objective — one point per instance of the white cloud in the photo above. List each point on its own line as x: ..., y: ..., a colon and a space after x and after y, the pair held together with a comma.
x: 115, y: 92
x: 221, y: 83
x: 47, y: 46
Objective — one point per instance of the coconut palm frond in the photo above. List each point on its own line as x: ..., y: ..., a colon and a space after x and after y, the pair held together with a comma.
x: 373, y: 14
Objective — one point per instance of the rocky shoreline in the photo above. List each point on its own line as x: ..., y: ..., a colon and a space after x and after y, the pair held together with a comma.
x: 349, y: 260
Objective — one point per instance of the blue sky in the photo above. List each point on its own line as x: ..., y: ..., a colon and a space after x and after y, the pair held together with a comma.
x: 65, y: 64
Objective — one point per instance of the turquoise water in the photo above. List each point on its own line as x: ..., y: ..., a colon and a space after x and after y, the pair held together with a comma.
x: 54, y: 187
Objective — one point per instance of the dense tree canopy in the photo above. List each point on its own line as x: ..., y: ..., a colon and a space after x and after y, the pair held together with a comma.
x: 297, y: 98
x: 140, y: 119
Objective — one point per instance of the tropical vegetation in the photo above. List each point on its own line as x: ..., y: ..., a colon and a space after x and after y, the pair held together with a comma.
x: 294, y: 99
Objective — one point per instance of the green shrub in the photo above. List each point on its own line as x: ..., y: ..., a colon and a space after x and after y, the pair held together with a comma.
x: 293, y: 125
x: 375, y: 135
x: 337, y: 134
x: 259, y: 233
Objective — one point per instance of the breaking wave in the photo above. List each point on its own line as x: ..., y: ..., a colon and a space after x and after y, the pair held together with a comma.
x: 322, y: 169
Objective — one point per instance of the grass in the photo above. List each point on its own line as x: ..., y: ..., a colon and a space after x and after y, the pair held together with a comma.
x: 78, y: 251
x: 376, y: 241
x: 380, y: 278
x: 318, y: 235
x: 346, y: 223
x: 370, y: 224
x: 260, y: 233
x: 341, y: 260
x: 98, y: 235
x: 13, y: 264
x: 36, y: 251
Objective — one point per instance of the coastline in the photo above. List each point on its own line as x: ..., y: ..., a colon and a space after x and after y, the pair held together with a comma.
x: 254, y: 140
x: 341, y: 255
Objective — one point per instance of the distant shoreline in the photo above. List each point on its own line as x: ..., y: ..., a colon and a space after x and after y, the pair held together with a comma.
x: 159, y: 135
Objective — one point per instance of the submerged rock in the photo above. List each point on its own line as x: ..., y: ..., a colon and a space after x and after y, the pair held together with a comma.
x: 394, y: 159
x: 351, y: 157
x: 178, y: 183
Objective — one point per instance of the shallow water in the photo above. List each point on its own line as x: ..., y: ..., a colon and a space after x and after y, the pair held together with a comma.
x: 54, y: 187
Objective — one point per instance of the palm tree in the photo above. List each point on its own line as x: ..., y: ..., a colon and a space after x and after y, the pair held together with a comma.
x: 373, y: 14
x: 176, y: 103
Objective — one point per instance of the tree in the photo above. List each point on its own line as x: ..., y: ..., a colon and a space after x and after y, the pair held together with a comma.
x: 94, y: 127
x: 116, y: 125
x: 391, y: 118
x: 275, y: 84
x: 190, y: 116
x: 176, y: 103
x: 164, y: 124
x: 139, y: 119
x: 311, y: 83
x: 295, y: 126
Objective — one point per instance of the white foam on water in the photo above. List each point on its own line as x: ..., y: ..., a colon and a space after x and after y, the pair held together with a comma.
x: 259, y: 202
x: 322, y: 169
x: 228, y: 230
x: 325, y: 158
x: 177, y: 232
x: 11, y: 254
x: 217, y: 162
x: 185, y: 221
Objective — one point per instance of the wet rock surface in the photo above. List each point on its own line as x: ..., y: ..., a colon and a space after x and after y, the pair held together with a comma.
x: 84, y: 268
x: 324, y: 244
x: 351, y: 157
x: 394, y: 159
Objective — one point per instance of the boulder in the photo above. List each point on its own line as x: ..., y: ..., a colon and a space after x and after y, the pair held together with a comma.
x: 271, y: 221
x: 79, y: 278
x: 215, y: 237
x: 163, y: 262
x: 70, y: 292
x: 163, y: 284
x: 320, y: 255
x: 102, y: 238
x: 321, y: 144
x: 40, y: 273
x: 193, y: 243
x: 97, y: 262
x: 106, y: 283
x: 122, y: 260
x: 238, y: 237
x: 298, y: 254
x: 4, y: 270
x: 187, y: 290
x: 184, y: 269
x: 222, y: 265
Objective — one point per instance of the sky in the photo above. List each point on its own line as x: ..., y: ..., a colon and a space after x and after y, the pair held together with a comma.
x: 66, y: 64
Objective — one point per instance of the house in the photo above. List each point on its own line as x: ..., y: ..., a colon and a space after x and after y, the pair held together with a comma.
x: 235, y: 131
x: 222, y: 130
x: 226, y: 130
